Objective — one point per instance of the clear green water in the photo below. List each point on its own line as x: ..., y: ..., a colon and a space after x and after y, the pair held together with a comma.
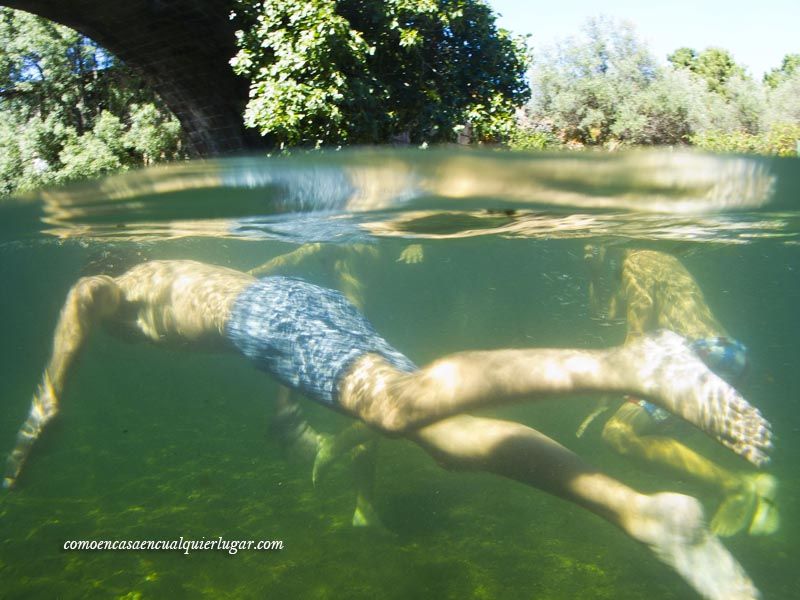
x: 158, y: 444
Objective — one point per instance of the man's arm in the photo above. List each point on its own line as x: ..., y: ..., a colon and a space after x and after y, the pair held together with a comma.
x: 89, y: 301
x: 290, y: 259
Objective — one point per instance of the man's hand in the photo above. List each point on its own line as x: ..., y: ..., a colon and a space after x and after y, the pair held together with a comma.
x: 412, y: 254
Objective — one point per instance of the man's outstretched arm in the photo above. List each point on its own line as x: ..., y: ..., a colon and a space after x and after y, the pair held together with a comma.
x: 290, y: 259
x: 89, y: 301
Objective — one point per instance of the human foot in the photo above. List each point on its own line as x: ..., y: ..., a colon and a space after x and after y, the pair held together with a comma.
x: 735, y: 513
x: 673, y: 526
x: 751, y: 506
x: 365, y: 514
x: 16, y: 459
x: 766, y: 519
x: 674, y: 377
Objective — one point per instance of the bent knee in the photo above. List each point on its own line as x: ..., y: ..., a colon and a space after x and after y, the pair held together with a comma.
x: 387, y: 426
x: 372, y: 391
x: 385, y: 417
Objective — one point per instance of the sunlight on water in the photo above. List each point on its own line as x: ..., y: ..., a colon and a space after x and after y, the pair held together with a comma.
x: 444, y: 251
x: 355, y: 195
x: 374, y: 180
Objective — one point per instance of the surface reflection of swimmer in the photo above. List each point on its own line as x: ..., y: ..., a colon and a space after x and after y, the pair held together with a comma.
x: 652, y: 290
x: 314, y: 341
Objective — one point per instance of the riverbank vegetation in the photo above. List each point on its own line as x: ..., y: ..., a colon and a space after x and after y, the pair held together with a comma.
x: 604, y: 88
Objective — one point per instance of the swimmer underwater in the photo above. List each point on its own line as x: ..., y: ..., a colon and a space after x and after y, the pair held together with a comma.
x: 312, y: 340
x: 652, y: 290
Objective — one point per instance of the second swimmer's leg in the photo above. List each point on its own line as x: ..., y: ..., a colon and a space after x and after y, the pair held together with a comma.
x: 629, y: 432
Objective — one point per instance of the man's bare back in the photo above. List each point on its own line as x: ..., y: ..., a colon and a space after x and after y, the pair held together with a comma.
x: 178, y: 300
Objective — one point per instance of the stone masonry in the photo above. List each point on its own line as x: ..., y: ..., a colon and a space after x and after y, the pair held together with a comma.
x: 182, y: 48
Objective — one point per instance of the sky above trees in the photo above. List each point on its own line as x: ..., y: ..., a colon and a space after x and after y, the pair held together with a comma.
x: 758, y: 35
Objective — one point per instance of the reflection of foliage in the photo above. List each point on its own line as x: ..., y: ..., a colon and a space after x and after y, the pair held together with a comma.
x: 69, y: 110
x: 363, y: 71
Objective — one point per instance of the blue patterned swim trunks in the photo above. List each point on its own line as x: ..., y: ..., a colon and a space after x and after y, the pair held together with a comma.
x: 305, y: 335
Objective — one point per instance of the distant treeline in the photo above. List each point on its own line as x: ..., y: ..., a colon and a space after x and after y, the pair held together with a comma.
x: 333, y: 72
x: 606, y: 89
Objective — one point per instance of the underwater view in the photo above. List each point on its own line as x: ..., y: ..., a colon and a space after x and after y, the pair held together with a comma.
x: 662, y: 279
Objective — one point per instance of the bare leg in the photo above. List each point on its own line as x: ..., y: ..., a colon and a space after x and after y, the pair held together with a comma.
x: 333, y: 447
x: 661, y: 368
x: 364, y: 463
x: 89, y: 300
x: 303, y: 442
x: 628, y: 432
x: 44, y: 407
x: 297, y: 437
x: 671, y: 525
x: 602, y: 406
x: 349, y: 284
x: 361, y: 443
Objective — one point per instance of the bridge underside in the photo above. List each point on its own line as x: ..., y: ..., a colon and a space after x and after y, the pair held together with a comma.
x: 182, y: 48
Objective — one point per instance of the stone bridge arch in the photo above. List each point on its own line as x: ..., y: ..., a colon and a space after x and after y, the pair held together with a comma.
x: 182, y: 48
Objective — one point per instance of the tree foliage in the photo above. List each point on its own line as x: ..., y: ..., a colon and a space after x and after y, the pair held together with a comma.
x: 69, y: 109
x: 783, y: 101
x: 363, y: 71
x: 789, y: 66
x: 683, y: 58
x: 580, y: 86
x: 780, y: 140
x: 715, y: 65
x: 605, y: 88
